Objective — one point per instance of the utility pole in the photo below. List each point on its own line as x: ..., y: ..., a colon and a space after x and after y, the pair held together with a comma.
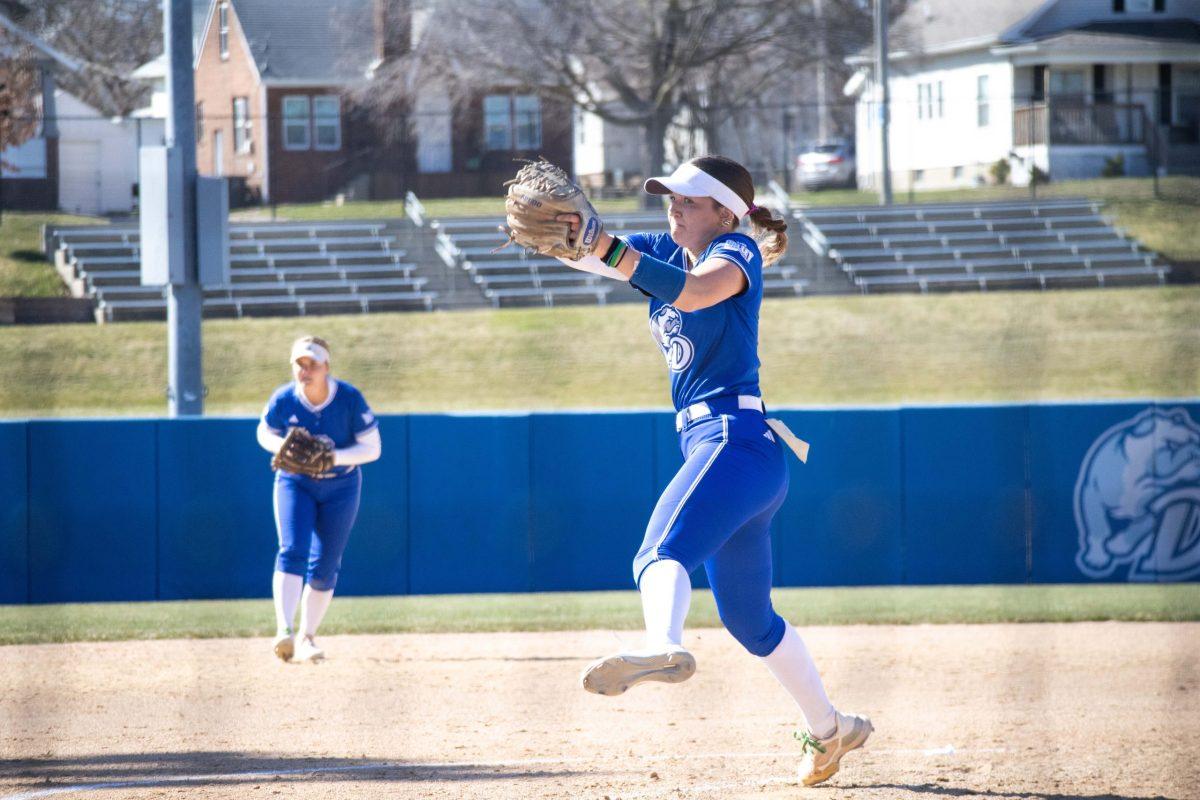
x: 185, y: 392
x: 881, y: 75
x: 823, y: 127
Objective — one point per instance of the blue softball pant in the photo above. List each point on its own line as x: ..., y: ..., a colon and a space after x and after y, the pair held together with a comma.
x: 313, y: 518
x: 717, y: 512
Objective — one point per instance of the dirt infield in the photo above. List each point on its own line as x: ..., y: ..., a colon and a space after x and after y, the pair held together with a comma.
x: 1070, y: 712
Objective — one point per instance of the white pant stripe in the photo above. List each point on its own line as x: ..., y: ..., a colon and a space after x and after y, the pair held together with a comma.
x: 711, y: 460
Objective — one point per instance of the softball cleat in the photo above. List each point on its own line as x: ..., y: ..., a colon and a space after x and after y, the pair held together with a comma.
x: 821, y: 757
x: 307, y: 650
x: 613, y: 675
x: 285, y: 646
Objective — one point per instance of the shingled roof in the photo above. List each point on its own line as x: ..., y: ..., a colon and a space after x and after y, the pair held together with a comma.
x: 930, y: 25
x: 322, y: 41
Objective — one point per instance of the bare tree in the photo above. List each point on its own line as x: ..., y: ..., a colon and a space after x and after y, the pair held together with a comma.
x: 109, y: 37
x: 630, y: 62
x: 19, y: 90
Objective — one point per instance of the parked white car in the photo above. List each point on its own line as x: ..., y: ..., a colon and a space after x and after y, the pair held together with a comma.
x: 825, y: 164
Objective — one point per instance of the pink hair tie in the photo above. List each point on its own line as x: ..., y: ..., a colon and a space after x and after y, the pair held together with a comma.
x: 751, y: 209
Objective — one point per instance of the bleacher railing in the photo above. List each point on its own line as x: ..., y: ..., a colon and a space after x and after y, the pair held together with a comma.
x: 414, y: 209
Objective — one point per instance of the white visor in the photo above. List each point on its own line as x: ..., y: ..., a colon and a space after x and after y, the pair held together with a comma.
x: 303, y: 349
x: 691, y: 181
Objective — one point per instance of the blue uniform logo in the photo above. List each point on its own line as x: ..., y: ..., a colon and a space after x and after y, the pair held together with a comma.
x: 666, y: 325
x: 1137, y: 499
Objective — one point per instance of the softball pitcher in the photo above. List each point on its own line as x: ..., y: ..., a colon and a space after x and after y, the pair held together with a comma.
x: 704, y: 282
x: 314, y: 512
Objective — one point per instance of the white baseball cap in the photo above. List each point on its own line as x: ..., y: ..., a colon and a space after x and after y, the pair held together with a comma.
x: 691, y: 181
x: 307, y: 348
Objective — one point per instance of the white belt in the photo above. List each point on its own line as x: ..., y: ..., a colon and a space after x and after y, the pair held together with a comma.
x: 700, y: 410
x: 746, y: 402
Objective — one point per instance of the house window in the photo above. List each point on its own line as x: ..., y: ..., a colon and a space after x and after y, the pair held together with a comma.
x: 1139, y: 6
x: 200, y: 122
x: 921, y: 100
x: 295, y: 123
x: 940, y: 106
x: 241, y: 125
x: 497, y: 128
x: 958, y: 173
x: 527, y: 121
x: 223, y: 29
x: 982, y: 110
x: 1068, y: 84
x: 327, y: 122
x: 512, y: 122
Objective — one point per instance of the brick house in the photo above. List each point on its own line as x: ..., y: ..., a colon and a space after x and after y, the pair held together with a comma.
x: 275, y: 108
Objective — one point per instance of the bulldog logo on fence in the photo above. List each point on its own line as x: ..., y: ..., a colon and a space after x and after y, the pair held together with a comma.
x: 1137, y: 499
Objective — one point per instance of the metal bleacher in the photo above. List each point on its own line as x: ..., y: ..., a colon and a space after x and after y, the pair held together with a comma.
x: 510, y: 276
x: 276, y: 268
x: 1007, y: 245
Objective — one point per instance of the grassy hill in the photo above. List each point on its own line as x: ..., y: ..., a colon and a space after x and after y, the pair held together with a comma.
x: 24, y: 270
x: 855, y: 349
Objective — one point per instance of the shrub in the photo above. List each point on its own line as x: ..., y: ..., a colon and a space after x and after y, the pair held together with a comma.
x: 1000, y: 171
x: 1114, y: 167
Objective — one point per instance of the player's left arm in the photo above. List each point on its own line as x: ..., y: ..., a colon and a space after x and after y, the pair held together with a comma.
x: 368, y: 445
x: 714, y: 281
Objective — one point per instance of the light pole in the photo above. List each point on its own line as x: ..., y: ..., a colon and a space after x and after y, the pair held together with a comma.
x: 881, y: 74
x: 185, y: 394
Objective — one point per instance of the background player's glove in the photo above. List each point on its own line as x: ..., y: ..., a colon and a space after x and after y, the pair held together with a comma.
x: 303, y: 453
x: 537, y: 196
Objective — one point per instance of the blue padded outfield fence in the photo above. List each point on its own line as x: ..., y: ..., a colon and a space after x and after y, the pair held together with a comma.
x: 180, y: 509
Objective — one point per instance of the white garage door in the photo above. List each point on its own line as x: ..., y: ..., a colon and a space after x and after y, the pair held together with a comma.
x: 79, y: 177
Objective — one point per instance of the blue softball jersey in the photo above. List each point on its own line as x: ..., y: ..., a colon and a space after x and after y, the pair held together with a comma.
x: 712, y: 352
x: 343, y: 416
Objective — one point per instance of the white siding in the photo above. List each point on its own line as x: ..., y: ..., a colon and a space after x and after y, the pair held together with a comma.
x: 98, y: 159
x: 603, y: 147
x: 948, y: 140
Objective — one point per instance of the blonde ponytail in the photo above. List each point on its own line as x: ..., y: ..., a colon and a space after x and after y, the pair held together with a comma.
x: 770, y: 232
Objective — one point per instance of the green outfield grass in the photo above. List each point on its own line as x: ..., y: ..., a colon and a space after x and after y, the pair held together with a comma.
x: 602, y: 610
x: 24, y: 270
x: 1015, y: 346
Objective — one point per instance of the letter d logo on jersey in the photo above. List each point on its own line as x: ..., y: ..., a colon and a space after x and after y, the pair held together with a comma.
x: 666, y: 326
x: 1137, y: 499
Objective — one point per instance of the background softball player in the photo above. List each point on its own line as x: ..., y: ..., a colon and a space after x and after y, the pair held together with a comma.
x: 314, y: 513
x: 704, y: 281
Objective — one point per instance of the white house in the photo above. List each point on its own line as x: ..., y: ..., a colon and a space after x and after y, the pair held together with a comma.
x: 1066, y: 86
x: 765, y: 134
x: 97, y: 158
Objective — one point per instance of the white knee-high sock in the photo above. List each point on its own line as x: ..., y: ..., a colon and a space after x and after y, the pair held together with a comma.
x: 793, y: 667
x: 666, y: 594
x: 316, y: 603
x: 285, y: 588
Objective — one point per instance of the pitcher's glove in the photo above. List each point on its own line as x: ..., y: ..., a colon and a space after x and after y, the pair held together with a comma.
x: 303, y: 453
x: 537, y: 196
